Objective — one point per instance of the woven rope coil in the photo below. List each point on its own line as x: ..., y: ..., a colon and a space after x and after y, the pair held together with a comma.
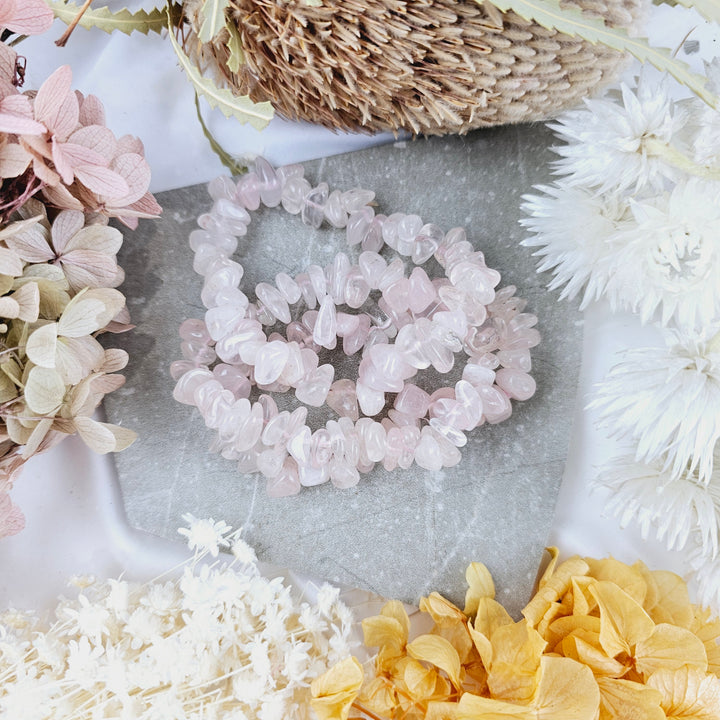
x: 428, y: 66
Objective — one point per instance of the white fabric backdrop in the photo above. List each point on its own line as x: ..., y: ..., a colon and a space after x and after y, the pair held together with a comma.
x: 75, y: 522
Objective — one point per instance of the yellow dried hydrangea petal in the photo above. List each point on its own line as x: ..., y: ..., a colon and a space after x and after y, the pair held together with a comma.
x: 333, y: 692
x: 553, y: 586
x: 687, y: 693
x: 441, y: 711
x: 395, y: 609
x: 442, y: 611
x: 384, y: 632
x: 707, y: 629
x: 474, y: 707
x: 480, y: 585
x: 490, y: 616
x: 669, y: 648
x: 419, y: 680
x: 566, y: 625
x: 667, y: 599
x: 626, y: 577
x: 583, y: 600
x: 567, y: 691
x: 379, y: 697
x: 585, y: 648
x: 517, y: 651
x: 439, y: 652
x: 629, y: 700
x: 623, y: 622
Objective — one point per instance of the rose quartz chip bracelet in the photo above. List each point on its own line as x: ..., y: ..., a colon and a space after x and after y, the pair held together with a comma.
x: 404, y: 323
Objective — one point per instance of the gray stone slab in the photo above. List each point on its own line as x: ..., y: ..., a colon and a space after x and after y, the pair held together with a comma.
x: 399, y: 534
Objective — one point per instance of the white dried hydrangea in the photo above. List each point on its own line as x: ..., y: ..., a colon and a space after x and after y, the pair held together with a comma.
x: 220, y: 641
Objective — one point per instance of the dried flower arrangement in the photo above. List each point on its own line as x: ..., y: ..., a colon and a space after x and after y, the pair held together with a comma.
x: 600, y: 639
x: 214, y: 640
x: 62, y: 175
x: 432, y: 67
x: 635, y: 218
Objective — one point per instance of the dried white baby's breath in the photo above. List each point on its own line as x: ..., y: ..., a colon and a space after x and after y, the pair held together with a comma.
x: 219, y: 642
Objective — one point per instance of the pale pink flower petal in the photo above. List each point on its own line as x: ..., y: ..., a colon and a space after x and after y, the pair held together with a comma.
x: 97, y: 138
x: 60, y: 196
x: 136, y: 172
x: 130, y: 144
x: 8, y: 58
x: 16, y: 117
x: 14, y: 160
x: 101, y: 180
x: 31, y: 245
x: 63, y: 163
x: 12, y: 521
x: 91, y: 111
x: 56, y: 105
x: 29, y: 17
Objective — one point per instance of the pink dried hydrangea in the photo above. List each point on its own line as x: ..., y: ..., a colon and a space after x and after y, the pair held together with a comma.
x: 29, y: 17
x: 54, y: 144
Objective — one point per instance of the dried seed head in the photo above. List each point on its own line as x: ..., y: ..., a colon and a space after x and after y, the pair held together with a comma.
x: 432, y: 67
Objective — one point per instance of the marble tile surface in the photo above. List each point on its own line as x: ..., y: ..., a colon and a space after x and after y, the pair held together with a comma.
x: 400, y: 534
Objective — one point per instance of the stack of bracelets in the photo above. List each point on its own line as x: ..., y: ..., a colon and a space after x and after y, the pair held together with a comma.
x: 399, y: 323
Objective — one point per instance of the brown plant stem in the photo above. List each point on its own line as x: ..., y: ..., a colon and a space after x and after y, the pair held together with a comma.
x: 62, y: 40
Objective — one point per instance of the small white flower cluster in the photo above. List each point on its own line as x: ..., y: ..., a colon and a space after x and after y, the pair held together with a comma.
x: 220, y: 641
x: 635, y: 218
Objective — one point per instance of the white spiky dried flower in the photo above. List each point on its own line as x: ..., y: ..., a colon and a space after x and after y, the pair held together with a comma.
x: 667, y: 400
x: 677, y: 509
x: 668, y: 259
x: 617, y: 143
x: 220, y: 641
x: 574, y: 231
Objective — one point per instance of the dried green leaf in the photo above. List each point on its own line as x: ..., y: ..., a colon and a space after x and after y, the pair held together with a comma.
x: 8, y: 389
x: 235, y: 167
x: 44, y: 391
x: 709, y: 9
x: 212, y: 16
x: 105, y: 19
x: 239, y: 107
x: 234, y: 46
x: 42, y: 345
x: 550, y: 15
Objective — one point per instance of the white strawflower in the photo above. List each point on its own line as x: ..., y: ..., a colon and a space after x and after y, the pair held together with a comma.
x: 612, y: 143
x: 575, y: 232
x: 677, y: 509
x: 668, y: 259
x: 704, y: 132
x: 668, y: 401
